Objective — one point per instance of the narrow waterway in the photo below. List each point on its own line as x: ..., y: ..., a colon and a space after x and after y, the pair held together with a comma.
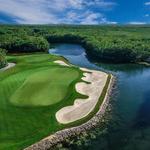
x: 129, y: 126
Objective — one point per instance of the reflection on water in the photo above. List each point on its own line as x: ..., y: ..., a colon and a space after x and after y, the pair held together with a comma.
x: 129, y: 126
x: 143, y: 116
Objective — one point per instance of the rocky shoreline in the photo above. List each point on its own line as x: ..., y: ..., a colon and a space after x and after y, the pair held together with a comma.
x: 60, y: 136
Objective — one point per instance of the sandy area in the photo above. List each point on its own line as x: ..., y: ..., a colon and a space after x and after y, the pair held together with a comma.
x: 60, y: 62
x: 82, y: 107
x: 10, y: 65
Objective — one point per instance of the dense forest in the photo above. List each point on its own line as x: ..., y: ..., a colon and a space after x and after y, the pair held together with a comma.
x: 103, y: 43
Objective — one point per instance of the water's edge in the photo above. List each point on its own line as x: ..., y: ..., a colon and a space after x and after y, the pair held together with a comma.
x: 60, y: 136
x: 126, y: 123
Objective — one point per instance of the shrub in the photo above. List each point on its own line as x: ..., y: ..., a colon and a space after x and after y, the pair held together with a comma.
x: 3, y: 61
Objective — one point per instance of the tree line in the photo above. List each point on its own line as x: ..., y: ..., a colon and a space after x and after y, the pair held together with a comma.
x: 103, y: 43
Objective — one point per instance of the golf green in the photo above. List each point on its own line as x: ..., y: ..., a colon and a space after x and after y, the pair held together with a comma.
x: 30, y: 95
x: 45, y: 87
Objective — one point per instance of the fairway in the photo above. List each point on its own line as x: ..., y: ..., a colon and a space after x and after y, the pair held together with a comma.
x: 30, y: 94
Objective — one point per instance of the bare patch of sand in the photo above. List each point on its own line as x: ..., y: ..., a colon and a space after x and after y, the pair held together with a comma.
x: 10, y: 65
x: 82, y: 107
x: 60, y: 62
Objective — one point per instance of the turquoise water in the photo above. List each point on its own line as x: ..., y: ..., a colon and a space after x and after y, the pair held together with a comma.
x: 129, y: 125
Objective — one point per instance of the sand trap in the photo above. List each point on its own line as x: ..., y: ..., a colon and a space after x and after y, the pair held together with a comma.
x: 60, y: 62
x: 82, y: 107
x: 10, y: 65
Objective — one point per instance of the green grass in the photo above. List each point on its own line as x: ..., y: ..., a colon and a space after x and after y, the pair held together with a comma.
x: 21, y: 122
x: 44, y: 87
x: 30, y: 95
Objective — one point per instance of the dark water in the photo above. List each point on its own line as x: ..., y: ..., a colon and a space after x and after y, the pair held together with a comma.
x: 129, y: 126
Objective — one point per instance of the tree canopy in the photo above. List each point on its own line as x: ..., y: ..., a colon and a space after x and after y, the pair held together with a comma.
x: 105, y: 43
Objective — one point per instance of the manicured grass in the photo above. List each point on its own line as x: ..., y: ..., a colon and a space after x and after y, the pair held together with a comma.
x: 23, y: 118
x: 44, y: 87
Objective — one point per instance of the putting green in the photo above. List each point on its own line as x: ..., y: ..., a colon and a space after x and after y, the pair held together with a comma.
x: 45, y: 87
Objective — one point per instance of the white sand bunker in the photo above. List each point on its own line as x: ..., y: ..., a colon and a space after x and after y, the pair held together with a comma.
x: 10, y: 65
x: 60, y: 62
x: 82, y: 107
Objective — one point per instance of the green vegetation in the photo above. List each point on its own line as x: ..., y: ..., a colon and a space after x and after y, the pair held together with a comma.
x: 19, y: 42
x: 28, y: 103
x: 3, y: 61
x: 44, y: 87
x: 29, y: 121
x: 110, y: 44
x: 103, y: 43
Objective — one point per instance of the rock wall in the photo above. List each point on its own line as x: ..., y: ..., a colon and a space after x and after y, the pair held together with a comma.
x: 60, y: 136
